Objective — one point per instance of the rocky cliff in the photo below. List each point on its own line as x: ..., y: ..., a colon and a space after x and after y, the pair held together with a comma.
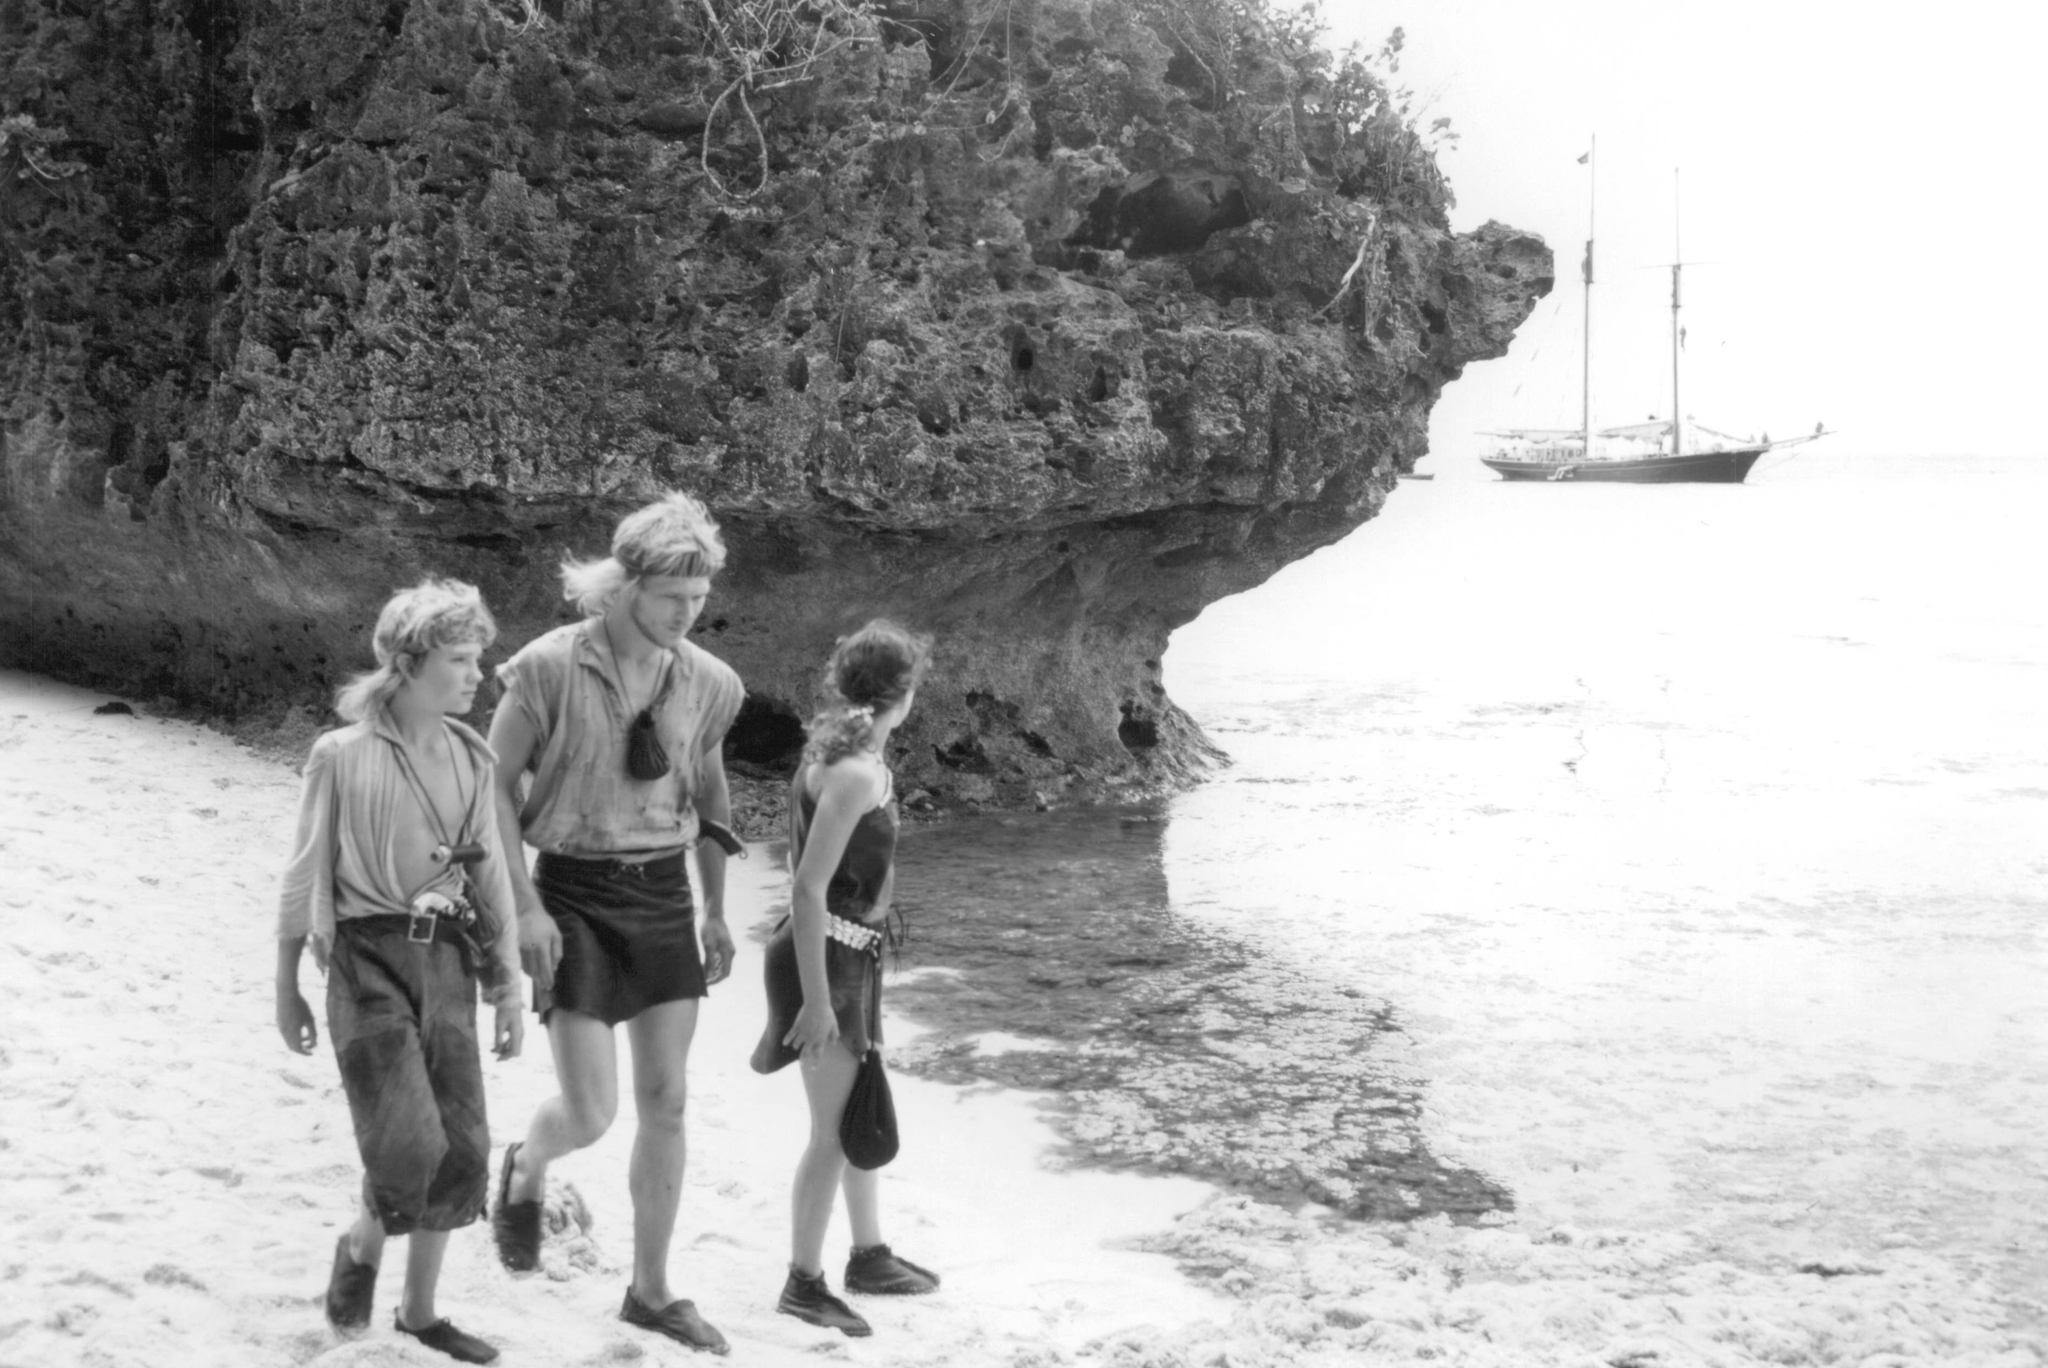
x: 1039, y: 324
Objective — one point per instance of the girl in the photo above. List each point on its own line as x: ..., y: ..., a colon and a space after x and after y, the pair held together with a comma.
x: 398, y: 879
x: 824, y: 961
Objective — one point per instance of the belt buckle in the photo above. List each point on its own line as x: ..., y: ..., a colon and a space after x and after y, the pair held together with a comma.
x: 426, y: 913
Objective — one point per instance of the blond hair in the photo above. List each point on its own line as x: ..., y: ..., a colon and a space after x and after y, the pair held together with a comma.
x: 870, y: 671
x: 672, y: 536
x: 434, y: 612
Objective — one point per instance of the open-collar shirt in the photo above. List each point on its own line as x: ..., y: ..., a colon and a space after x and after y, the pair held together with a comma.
x: 582, y: 800
x: 344, y: 861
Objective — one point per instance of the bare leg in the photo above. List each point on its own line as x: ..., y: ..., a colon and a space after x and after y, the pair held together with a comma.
x: 863, y: 1189
x: 587, y: 1072
x: 661, y: 1039
x: 828, y: 1081
x: 424, y: 1249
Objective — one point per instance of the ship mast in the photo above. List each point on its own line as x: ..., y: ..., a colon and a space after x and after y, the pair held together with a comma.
x: 1586, y: 357
x: 1677, y: 267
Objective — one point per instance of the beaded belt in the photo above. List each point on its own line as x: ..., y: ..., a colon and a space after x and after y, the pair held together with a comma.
x: 852, y: 933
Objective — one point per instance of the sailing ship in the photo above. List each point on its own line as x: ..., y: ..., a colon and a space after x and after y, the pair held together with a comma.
x: 1641, y: 453
x: 1653, y: 452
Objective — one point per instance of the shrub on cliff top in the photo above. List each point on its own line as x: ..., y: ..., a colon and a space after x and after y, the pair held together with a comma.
x: 1239, y: 61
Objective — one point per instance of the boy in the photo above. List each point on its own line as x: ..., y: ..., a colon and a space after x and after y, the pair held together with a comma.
x: 398, y: 879
x: 620, y: 719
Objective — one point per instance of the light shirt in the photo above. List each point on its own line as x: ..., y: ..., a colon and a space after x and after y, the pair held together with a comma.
x: 582, y: 800
x: 343, y: 862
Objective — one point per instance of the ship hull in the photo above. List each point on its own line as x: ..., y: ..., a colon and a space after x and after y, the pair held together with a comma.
x: 1705, y: 467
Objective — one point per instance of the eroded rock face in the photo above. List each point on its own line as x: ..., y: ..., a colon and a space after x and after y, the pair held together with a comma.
x: 1040, y: 336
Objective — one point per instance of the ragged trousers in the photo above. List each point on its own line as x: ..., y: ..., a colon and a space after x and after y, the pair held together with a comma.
x: 402, y: 1019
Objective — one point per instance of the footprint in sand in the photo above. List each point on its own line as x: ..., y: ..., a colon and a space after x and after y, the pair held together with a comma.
x: 170, y: 1275
x: 91, y: 1279
x: 72, y: 1320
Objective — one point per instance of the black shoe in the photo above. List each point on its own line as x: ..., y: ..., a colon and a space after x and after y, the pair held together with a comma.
x: 808, y: 1299
x: 350, y: 1289
x: 878, y: 1273
x: 456, y: 1344
x: 678, y: 1320
x: 515, y: 1225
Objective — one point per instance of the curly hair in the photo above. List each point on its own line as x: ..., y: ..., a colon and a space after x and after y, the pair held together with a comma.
x: 870, y: 671
x: 672, y: 536
x: 434, y: 612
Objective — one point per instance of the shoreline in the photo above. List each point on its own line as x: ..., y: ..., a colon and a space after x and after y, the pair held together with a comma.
x: 175, y: 1178
x: 282, y: 733
x: 180, y: 1176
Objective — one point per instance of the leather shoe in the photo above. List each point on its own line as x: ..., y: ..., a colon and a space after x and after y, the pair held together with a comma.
x: 678, y: 1320
x: 876, y: 1272
x: 351, y: 1287
x: 806, y: 1297
x: 456, y: 1344
x: 515, y: 1225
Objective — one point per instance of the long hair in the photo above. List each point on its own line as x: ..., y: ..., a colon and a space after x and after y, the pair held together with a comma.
x: 672, y: 536
x: 870, y: 671
x: 434, y: 612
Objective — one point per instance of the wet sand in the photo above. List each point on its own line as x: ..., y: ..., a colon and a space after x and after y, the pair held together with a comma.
x: 174, y: 1178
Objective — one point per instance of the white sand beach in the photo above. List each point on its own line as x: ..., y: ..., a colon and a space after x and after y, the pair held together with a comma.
x: 172, y: 1178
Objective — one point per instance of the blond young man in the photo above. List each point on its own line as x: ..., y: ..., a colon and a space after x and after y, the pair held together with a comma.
x: 618, y: 721
x: 398, y: 880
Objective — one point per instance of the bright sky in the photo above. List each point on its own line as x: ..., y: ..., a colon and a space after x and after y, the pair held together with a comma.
x: 1858, y: 175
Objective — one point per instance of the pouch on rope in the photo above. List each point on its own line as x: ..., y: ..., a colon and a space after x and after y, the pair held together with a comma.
x: 646, y: 757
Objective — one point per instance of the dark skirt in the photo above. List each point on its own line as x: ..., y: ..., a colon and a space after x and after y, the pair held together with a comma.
x: 402, y: 1019
x: 855, y: 978
x: 629, y: 936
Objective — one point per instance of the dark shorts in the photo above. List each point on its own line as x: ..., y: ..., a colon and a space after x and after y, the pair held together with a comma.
x: 855, y: 978
x: 402, y: 1019
x: 629, y: 936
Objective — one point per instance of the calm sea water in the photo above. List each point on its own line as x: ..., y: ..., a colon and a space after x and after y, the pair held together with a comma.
x: 1632, y: 857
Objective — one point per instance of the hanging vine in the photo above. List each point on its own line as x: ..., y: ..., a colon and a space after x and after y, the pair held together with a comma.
x: 768, y: 45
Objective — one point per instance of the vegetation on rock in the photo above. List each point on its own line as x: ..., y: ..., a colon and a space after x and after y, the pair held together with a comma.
x: 1041, y: 323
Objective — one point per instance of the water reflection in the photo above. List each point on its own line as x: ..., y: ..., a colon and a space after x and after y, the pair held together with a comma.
x: 1175, y: 1047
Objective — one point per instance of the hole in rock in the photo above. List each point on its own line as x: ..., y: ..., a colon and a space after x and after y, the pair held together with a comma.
x: 1137, y: 731
x: 1159, y: 212
x: 964, y: 754
x: 1184, y: 72
x: 767, y: 734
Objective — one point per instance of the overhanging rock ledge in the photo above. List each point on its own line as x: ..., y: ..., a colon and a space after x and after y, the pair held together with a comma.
x: 1038, y: 326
